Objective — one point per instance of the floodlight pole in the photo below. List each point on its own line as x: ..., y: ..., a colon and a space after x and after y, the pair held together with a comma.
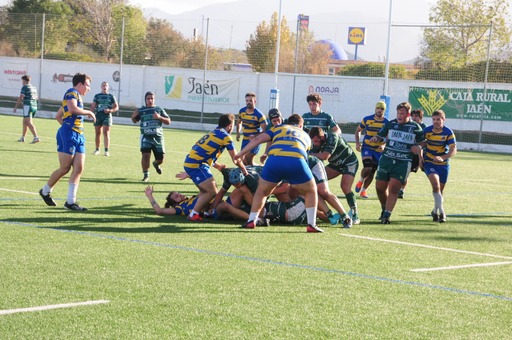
x: 386, y: 72
x: 274, y: 93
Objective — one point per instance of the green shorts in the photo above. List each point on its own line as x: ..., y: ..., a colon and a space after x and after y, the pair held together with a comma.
x: 152, y: 143
x: 393, y: 168
x: 348, y: 166
x: 103, y: 119
x: 29, y: 111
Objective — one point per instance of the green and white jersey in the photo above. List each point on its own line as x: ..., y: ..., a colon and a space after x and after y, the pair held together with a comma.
x: 338, y: 147
x: 400, y: 138
x: 323, y: 120
x: 104, y: 101
x: 29, y: 93
x: 293, y: 212
x: 150, y: 127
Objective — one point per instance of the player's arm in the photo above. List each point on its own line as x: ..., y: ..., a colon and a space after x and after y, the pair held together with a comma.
x: 324, y: 155
x: 261, y: 138
x: 18, y: 102
x: 159, y: 210
x: 114, y: 108
x: 218, y: 198
x: 93, y: 106
x: 74, y: 109
x: 58, y: 116
x: 238, y: 160
x: 238, y: 125
x: 135, y: 116
x: 163, y: 119
x: 452, y: 150
x: 376, y: 139
x: 336, y: 129
x: 357, y: 137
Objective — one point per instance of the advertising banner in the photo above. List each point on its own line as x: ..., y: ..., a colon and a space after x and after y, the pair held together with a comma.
x: 463, y: 103
x: 191, y: 89
x: 12, y: 73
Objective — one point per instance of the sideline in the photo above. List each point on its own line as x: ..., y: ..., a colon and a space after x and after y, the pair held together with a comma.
x: 48, y: 307
x: 428, y: 247
x: 461, y: 266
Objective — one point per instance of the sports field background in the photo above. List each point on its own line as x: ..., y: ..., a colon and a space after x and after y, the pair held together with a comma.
x: 152, y: 277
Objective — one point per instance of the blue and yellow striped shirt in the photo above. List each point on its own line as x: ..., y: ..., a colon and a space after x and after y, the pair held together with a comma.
x: 371, y: 126
x: 437, y: 143
x: 70, y: 120
x: 208, y: 148
x: 251, y: 122
x: 289, y: 141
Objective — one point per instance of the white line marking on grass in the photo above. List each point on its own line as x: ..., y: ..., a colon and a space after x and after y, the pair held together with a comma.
x: 48, y: 307
x: 19, y: 191
x: 429, y: 247
x: 461, y: 267
x: 20, y: 178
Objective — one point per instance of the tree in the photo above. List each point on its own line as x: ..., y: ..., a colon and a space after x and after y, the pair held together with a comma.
x: 95, y: 23
x: 261, y: 46
x: 165, y: 44
x: 317, y: 58
x: 23, y: 24
x: 463, y: 38
x: 311, y: 57
x: 373, y: 70
x: 134, y: 48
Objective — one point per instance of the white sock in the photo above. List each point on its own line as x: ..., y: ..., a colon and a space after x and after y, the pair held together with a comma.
x: 72, y: 189
x: 438, y: 202
x: 253, y: 216
x: 311, y: 213
x: 192, y: 213
x: 46, y: 189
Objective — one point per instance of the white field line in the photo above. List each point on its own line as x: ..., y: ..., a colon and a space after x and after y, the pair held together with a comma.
x: 19, y: 191
x: 48, y: 307
x: 461, y: 266
x: 441, y: 248
x: 429, y: 247
x: 20, y: 178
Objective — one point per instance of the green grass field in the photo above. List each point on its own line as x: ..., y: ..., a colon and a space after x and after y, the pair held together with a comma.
x: 159, y: 277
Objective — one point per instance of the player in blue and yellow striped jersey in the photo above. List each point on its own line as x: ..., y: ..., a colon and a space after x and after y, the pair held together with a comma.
x: 440, y: 146
x: 370, y: 151
x: 70, y: 142
x: 253, y: 122
x: 175, y: 203
x: 287, y: 160
x: 203, y: 155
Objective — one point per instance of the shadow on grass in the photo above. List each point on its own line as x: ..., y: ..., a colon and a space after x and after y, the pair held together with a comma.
x: 101, y: 220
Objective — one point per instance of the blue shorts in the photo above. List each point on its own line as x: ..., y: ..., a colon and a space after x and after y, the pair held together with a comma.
x: 199, y: 175
x: 255, y: 150
x: 441, y: 170
x: 70, y: 141
x: 293, y: 170
x: 367, y: 152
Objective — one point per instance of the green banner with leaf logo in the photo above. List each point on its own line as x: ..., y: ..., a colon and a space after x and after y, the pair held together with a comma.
x: 463, y: 103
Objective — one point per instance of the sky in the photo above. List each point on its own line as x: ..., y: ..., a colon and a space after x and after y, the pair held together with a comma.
x: 329, y: 19
x: 176, y: 6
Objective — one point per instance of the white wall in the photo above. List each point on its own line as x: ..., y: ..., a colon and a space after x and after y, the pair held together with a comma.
x: 348, y: 99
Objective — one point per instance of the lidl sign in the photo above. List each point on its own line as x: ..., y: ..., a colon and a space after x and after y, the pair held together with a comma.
x: 357, y: 35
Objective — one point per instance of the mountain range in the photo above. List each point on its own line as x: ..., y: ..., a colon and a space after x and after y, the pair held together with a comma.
x: 229, y: 25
